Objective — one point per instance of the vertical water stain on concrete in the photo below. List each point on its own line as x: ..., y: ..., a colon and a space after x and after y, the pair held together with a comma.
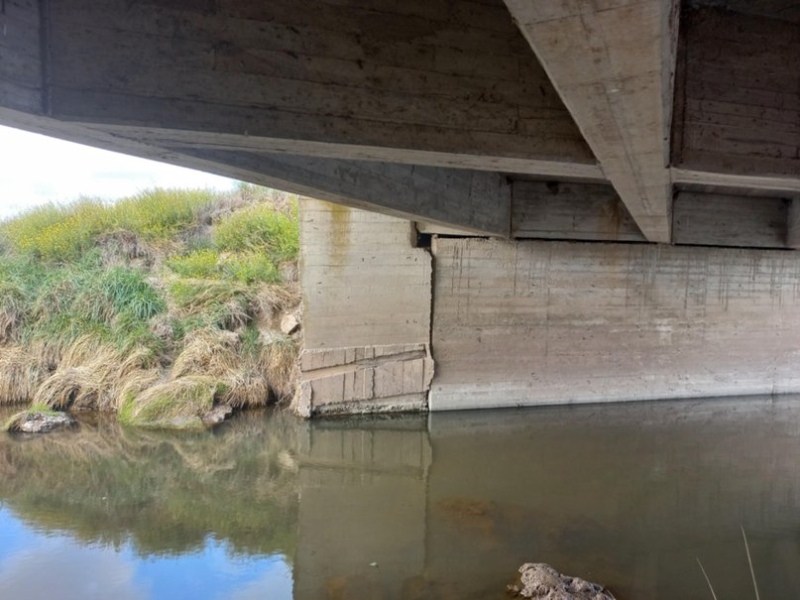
x: 340, y: 241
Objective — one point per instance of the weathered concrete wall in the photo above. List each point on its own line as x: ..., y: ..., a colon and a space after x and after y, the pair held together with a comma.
x: 367, y: 293
x: 525, y: 323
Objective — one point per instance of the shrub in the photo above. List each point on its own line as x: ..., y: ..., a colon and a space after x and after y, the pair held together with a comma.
x: 13, y: 310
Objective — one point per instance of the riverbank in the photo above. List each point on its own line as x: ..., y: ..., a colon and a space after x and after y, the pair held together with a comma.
x: 163, y: 308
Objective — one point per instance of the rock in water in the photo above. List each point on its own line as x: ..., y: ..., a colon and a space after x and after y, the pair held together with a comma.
x: 39, y: 422
x: 543, y: 582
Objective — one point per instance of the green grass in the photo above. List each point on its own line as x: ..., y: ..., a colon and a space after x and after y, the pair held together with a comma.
x: 246, y: 267
x: 200, y: 264
x: 176, y: 404
x: 191, y: 260
x: 160, y: 214
x: 61, y: 234
x: 251, y: 267
x: 129, y: 294
x: 56, y: 233
x: 260, y: 229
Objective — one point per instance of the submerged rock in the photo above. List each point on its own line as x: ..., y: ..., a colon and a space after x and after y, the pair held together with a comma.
x: 38, y: 421
x: 543, y: 582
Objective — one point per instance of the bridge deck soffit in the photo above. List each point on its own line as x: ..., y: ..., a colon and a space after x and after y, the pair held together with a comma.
x: 437, y: 110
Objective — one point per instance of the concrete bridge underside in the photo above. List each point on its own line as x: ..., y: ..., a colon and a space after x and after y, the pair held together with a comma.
x: 611, y: 188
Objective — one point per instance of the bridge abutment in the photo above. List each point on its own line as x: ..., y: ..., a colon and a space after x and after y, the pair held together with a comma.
x: 367, y: 295
x: 479, y: 323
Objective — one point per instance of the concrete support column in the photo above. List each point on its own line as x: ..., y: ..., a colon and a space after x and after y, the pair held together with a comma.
x: 367, y: 295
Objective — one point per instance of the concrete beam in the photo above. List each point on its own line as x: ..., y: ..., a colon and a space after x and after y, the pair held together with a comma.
x: 22, y: 70
x: 613, y: 66
x: 570, y: 211
x: 736, y: 183
x: 793, y: 224
x: 191, y: 141
x: 475, y: 201
x: 445, y: 84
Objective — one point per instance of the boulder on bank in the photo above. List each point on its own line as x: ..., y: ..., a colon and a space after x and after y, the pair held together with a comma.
x: 184, y: 403
x: 543, y: 582
x: 38, y: 421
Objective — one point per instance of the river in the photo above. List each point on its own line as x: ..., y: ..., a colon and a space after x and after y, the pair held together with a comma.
x: 418, y: 507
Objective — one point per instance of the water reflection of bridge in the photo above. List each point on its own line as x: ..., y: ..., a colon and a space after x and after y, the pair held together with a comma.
x: 628, y: 495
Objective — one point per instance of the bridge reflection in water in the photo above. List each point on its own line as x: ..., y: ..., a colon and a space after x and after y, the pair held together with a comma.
x: 441, y: 506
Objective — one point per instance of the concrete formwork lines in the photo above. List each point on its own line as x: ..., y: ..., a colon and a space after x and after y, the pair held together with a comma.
x: 614, y: 70
x: 609, y: 322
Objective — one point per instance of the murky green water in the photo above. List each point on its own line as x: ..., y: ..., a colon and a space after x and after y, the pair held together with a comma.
x: 440, y: 507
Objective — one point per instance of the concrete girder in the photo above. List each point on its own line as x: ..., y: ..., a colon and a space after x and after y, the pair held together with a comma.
x: 613, y: 64
x: 474, y: 201
x: 444, y: 84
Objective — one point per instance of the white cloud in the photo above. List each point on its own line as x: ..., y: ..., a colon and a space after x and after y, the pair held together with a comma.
x: 35, y: 170
x: 60, y: 569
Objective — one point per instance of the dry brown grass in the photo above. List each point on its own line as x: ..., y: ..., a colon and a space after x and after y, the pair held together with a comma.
x: 210, y: 352
x: 247, y: 388
x: 92, y: 376
x: 249, y: 380
x: 279, y: 361
x: 272, y: 301
x: 216, y: 353
x: 123, y: 248
x: 21, y: 373
x: 12, y: 313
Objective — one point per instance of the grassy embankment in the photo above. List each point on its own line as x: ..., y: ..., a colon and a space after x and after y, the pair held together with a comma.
x: 159, y: 307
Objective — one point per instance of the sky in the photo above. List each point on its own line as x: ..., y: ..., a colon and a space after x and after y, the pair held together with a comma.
x: 40, y: 565
x: 35, y: 170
